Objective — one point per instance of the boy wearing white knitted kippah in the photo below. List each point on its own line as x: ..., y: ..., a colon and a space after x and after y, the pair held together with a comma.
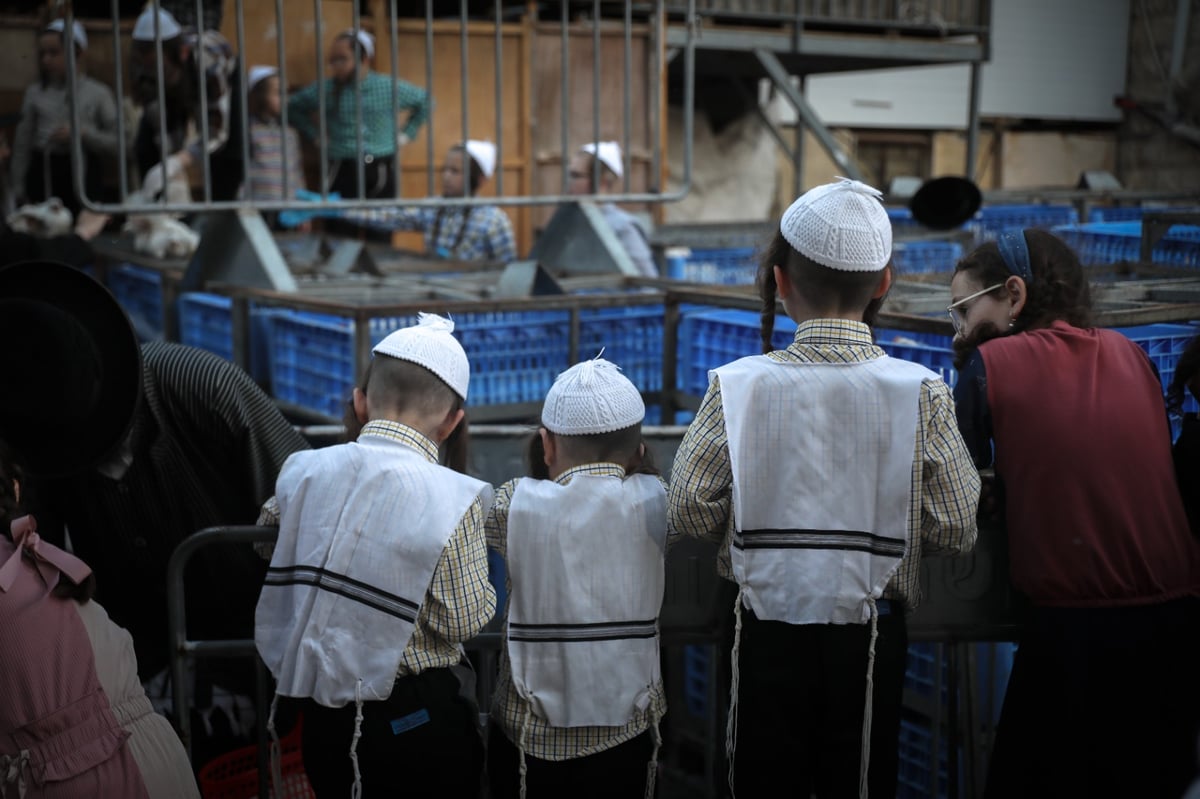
x: 378, y: 578
x: 580, y: 694
x: 823, y: 470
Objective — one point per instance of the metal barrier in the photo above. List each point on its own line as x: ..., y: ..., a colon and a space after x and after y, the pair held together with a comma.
x: 653, y: 18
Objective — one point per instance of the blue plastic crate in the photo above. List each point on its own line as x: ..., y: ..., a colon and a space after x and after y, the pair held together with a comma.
x: 923, y: 257
x: 630, y: 336
x: 992, y: 219
x: 206, y: 321
x: 916, y: 776
x: 514, y: 355
x: 930, y: 350
x: 139, y: 291
x: 1164, y: 344
x: 697, y: 671
x: 1099, y: 243
x: 731, y: 266
x: 708, y: 339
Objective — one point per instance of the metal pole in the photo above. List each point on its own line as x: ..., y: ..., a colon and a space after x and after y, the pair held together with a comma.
x: 564, y: 120
x: 596, y: 165
x: 119, y: 88
x: 163, y: 135
x: 973, y: 121
x: 429, y: 93
x: 281, y: 55
x: 627, y: 132
x: 198, y: 56
x: 322, y: 122
x: 498, y: 69
x: 244, y: 103
x: 463, y: 44
x: 360, y: 167
x: 394, y: 40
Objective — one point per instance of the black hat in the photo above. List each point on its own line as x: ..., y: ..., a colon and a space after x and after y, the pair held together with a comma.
x: 945, y: 203
x: 74, y: 368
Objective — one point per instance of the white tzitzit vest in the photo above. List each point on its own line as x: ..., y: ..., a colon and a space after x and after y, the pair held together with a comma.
x: 821, y: 456
x: 362, y: 527
x: 586, y: 564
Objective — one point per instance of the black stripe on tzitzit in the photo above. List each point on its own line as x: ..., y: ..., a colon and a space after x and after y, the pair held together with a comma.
x: 355, y: 590
x: 839, y: 540
x: 593, y: 631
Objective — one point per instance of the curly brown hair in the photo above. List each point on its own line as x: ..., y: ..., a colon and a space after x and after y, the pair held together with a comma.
x: 1059, y: 289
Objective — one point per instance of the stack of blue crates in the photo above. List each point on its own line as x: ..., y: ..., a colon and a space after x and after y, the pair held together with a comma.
x: 729, y: 266
x: 139, y: 291
x: 514, y: 355
x: 1126, y: 213
x: 924, y: 257
x: 1116, y: 242
x: 992, y: 219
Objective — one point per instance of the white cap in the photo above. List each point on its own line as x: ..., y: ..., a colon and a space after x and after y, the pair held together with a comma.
x: 840, y: 225
x: 590, y: 398
x: 609, y: 153
x: 143, y: 29
x: 258, y: 74
x: 430, y: 343
x: 77, y: 32
x: 365, y: 39
x: 484, y: 154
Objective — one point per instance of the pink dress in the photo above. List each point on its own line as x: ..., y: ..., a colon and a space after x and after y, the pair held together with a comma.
x: 58, y: 735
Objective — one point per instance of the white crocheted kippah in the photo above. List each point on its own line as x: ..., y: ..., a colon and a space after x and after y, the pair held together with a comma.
x: 431, y: 344
x: 841, y: 225
x: 592, y: 397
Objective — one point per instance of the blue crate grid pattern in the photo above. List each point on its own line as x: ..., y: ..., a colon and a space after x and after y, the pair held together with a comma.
x: 514, y: 355
x: 730, y: 266
x: 1126, y: 213
x: 630, y: 336
x: 992, y: 219
x: 139, y: 291
x: 915, y: 776
x: 710, y: 339
x: 206, y: 321
x: 1099, y: 243
x: 924, y: 257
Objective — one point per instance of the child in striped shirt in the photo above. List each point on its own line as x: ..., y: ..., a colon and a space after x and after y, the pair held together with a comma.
x: 271, y: 176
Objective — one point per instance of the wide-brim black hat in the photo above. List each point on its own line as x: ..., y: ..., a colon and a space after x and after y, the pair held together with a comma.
x: 74, y: 368
x: 945, y: 203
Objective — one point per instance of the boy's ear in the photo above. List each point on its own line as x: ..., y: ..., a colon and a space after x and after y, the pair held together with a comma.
x: 452, y: 420
x: 359, y: 399
x: 885, y: 283
x: 549, y: 446
x: 783, y: 285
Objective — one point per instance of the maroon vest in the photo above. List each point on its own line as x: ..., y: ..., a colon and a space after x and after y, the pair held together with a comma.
x: 1082, y: 445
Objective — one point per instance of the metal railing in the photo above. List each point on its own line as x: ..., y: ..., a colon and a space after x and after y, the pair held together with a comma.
x: 436, y: 59
x: 949, y: 17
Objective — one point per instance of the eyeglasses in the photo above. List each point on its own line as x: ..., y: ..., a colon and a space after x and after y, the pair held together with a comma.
x: 958, y: 309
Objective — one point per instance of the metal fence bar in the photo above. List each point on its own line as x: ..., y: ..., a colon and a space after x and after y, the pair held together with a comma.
x: 596, y: 164
x: 394, y: 43
x: 205, y: 134
x: 463, y: 44
x: 358, y: 51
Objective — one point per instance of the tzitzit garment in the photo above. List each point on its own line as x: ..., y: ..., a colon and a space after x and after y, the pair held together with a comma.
x: 586, y: 562
x: 821, y: 456
x: 362, y: 527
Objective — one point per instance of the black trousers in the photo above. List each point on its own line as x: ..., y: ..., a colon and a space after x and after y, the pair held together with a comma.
x: 379, y: 178
x: 617, y: 773
x: 1102, y: 702
x: 801, y: 695
x: 423, y: 740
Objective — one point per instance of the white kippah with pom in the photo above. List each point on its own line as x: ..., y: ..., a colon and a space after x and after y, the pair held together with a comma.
x: 840, y: 225
x: 431, y: 344
x: 590, y: 398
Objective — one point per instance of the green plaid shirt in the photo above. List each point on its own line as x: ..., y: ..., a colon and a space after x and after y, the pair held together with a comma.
x: 341, y: 112
x: 945, y: 484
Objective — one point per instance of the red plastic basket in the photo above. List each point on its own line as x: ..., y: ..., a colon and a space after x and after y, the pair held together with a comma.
x: 234, y: 775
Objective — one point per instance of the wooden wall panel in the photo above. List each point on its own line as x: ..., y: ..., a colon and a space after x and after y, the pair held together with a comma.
x: 547, y: 111
x: 261, y: 31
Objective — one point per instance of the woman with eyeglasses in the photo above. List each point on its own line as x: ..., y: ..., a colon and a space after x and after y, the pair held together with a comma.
x: 1103, y: 698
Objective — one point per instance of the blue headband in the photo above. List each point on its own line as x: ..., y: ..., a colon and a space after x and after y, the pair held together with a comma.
x: 1015, y: 252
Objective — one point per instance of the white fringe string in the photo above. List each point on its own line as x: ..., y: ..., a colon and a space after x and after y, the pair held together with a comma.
x: 652, y: 768
x: 276, y: 756
x: 523, y: 743
x: 865, y: 763
x: 731, y: 723
x: 356, y: 789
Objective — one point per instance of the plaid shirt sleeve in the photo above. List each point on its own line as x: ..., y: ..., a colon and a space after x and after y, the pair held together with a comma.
x: 701, y: 489
x: 460, y: 601
x: 415, y: 100
x: 489, y: 236
x: 496, y: 526
x: 950, y: 490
